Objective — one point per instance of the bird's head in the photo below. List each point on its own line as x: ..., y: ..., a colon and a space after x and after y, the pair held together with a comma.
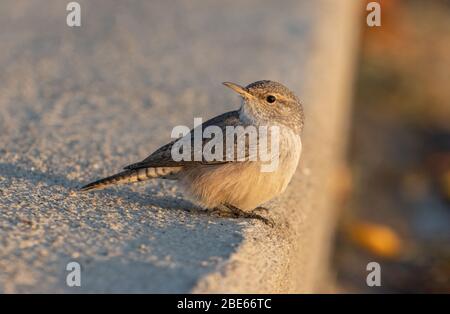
x: 269, y: 102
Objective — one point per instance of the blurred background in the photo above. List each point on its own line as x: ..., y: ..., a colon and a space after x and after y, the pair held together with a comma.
x: 395, y: 194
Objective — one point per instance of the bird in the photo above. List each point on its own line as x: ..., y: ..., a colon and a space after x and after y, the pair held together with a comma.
x: 233, y: 185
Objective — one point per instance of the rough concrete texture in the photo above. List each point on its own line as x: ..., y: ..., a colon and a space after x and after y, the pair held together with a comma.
x: 79, y: 103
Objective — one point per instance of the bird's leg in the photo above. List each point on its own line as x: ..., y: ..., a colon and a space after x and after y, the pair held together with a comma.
x: 261, y: 209
x: 240, y: 213
x: 222, y: 211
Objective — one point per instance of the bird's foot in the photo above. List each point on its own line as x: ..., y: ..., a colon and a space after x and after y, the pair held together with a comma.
x: 222, y: 211
x: 239, y: 213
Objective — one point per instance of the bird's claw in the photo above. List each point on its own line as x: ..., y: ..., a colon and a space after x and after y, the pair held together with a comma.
x: 232, y: 211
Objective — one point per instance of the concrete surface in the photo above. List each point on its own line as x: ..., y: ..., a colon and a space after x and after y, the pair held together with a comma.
x: 79, y: 103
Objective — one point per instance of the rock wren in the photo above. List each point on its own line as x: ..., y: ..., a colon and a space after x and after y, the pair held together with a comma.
x: 233, y: 185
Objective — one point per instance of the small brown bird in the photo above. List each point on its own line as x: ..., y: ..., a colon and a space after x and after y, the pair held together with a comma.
x: 233, y: 184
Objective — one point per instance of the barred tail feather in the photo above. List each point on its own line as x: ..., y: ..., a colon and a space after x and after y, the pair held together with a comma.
x: 127, y: 176
x: 130, y: 176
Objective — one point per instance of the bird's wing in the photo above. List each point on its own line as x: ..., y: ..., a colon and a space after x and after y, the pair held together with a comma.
x: 163, y: 155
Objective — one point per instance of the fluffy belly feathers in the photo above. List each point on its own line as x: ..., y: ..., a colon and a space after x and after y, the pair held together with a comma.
x: 242, y: 184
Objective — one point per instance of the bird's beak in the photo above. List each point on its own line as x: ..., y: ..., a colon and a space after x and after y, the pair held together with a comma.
x: 238, y: 89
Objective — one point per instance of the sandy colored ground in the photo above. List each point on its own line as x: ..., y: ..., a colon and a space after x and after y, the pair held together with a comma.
x: 79, y: 103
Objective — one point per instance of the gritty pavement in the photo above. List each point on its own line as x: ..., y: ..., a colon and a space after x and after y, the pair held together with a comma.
x: 77, y: 104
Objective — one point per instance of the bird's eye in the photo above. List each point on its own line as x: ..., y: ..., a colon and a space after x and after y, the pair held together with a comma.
x: 271, y: 99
